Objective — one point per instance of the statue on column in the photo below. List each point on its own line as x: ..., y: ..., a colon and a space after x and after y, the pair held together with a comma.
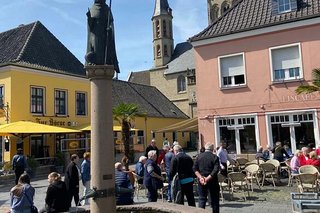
x: 101, y: 49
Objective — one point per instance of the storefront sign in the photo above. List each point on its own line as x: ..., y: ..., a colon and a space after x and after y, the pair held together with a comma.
x: 51, y: 122
x: 302, y: 97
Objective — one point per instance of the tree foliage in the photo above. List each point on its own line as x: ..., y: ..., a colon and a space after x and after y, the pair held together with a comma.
x: 315, y: 87
x: 125, y: 114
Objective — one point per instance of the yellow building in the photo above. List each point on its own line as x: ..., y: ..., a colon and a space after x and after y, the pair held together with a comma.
x: 43, y: 82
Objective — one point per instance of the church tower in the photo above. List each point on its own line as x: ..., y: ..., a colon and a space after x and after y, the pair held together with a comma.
x: 162, y: 33
x: 217, y: 8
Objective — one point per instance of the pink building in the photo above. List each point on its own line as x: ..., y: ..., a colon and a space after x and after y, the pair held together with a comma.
x: 249, y: 63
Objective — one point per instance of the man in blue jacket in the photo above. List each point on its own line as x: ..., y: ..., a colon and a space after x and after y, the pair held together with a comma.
x: 85, y: 176
x: 19, y: 164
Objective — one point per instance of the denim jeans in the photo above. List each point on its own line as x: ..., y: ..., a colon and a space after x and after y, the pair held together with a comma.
x: 169, y: 194
x: 21, y: 211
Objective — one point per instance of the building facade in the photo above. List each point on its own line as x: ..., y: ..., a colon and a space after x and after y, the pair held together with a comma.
x: 43, y: 82
x: 249, y: 63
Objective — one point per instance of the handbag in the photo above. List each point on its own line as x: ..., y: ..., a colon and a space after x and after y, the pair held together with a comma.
x: 33, y: 208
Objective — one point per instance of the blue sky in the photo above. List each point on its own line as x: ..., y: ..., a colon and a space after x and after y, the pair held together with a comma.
x: 66, y: 19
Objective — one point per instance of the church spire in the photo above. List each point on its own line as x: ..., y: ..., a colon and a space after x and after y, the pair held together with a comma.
x: 161, y: 8
x: 162, y: 33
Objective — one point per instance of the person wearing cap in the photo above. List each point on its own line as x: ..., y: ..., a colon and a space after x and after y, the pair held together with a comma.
x: 152, y: 146
x: 19, y: 164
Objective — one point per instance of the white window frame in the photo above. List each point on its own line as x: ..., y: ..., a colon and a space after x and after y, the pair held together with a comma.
x: 287, y: 77
x: 291, y: 113
x: 220, y: 74
x: 284, y: 11
x: 237, y: 134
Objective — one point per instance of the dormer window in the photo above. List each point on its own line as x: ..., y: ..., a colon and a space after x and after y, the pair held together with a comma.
x: 284, y: 6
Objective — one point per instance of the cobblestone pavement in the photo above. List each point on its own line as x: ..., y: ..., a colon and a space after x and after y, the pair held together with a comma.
x: 265, y: 200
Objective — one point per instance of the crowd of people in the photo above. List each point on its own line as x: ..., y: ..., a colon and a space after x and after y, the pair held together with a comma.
x: 180, y: 171
x: 171, y: 165
x: 305, y: 156
x: 59, y: 194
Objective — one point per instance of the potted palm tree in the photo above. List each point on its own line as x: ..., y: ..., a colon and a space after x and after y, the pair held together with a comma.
x: 33, y: 165
x: 59, y: 162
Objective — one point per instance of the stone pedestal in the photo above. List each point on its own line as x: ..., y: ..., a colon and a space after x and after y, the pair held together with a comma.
x: 102, y: 146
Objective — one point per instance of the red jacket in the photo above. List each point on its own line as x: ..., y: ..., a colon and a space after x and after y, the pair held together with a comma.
x: 313, y: 162
x: 161, y: 156
x: 302, y: 160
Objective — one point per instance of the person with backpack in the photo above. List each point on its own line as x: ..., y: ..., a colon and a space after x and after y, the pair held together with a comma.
x: 19, y: 164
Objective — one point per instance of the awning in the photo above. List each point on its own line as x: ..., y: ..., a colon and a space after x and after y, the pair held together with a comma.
x: 87, y: 127
x: 189, y: 125
x: 28, y: 127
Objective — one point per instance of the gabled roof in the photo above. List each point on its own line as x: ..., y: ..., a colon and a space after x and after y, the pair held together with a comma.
x: 140, y: 77
x: 149, y: 99
x: 34, y: 46
x: 182, y: 59
x: 248, y: 15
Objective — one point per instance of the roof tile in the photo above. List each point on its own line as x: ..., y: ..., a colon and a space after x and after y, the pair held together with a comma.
x: 246, y: 15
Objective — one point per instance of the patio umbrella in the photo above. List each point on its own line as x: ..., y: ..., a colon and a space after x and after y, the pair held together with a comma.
x: 28, y: 127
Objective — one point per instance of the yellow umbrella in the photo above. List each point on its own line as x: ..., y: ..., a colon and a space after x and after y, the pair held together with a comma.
x: 28, y: 127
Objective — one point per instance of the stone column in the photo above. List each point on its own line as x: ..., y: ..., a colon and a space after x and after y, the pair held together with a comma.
x: 102, y: 146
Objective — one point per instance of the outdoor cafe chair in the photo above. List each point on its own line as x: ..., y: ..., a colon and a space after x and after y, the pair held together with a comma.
x: 231, y: 165
x: 238, y: 181
x: 252, y: 172
x: 308, y: 169
x: 137, y: 185
x: 242, y: 163
x: 163, y: 190
x: 291, y: 176
x: 223, y: 184
x: 307, y: 182
x: 268, y: 171
x: 275, y: 162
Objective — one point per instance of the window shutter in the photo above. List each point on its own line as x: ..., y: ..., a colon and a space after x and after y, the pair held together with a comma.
x: 285, y: 58
x: 294, y: 5
x: 231, y: 66
x: 275, y: 7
